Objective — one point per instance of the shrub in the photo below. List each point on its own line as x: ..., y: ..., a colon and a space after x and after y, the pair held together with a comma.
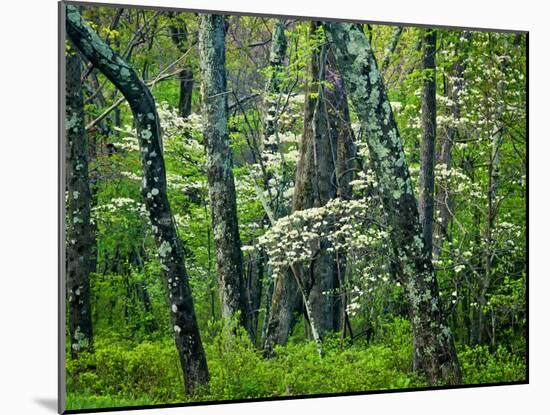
x: 117, y: 369
x: 480, y: 366
x: 121, y: 374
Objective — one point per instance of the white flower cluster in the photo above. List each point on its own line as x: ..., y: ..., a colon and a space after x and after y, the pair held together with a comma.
x: 453, y: 181
x: 117, y: 205
x: 175, y: 131
x: 346, y: 225
x: 365, y: 180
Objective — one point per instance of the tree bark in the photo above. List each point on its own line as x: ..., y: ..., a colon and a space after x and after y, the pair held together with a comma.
x: 153, y: 189
x: 180, y: 38
x: 79, y: 237
x: 357, y: 63
x: 427, y: 151
x: 285, y: 303
x: 221, y: 184
x: 273, y: 85
x: 254, y: 286
x: 391, y: 47
x: 427, y: 147
x: 323, y: 172
x: 313, y: 188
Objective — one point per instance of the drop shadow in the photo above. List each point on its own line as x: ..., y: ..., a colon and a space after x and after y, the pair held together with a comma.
x: 48, y: 403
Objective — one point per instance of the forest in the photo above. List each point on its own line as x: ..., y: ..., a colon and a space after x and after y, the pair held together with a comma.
x: 262, y: 207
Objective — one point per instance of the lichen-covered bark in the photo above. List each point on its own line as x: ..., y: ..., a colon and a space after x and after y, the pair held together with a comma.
x: 391, y: 47
x: 153, y: 189
x: 434, y: 343
x: 427, y: 145
x: 323, y: 172
x: 180, y: 38
x: 221, y: 183
x: 79, y: 236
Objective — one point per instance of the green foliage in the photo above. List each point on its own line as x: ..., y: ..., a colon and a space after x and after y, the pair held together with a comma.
x: 117, y: 373
x: 239, y: 371
x: 481, y: 269
x: 479, y: 365
x: 125, y: 371
x: 84, y: 401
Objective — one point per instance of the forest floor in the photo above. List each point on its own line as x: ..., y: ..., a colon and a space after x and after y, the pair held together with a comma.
x: 119, y: 374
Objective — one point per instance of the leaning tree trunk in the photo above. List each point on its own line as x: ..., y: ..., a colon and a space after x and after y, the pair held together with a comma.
x: 153, y: 189
x: 221, y: 184
x: 391, y: 47
x: 346, y: 165
x: 180, y: 38
x: 313, y: 188
x: 323, y: 173
x: 79, y: 237
x: 435, y: 346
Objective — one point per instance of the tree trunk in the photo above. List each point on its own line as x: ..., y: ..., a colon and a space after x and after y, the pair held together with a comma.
x: 434, y: 343
x: 323, y: 172
x: 493, y: 175
x: 443, y: 200
x: 272, y: 100
x: 186, y: 92
x: 313, y: 188
x: 221, y: 184
x: 427, y: 156
x: 391, y: 47
x: 285, y: 303
x: 271, y: 105
x: 79, y: 238
x: 254, y: 290
x: 153, y: 189
x: 427, y: 151
x: 180, y: 38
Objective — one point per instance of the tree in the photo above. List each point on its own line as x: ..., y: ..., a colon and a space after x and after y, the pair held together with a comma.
x: 180, y: 37
x: 443, y: 201
x: 434, y: 344
x: 221, y: 183
x: 323, y: 173
x: 391, y: 47
x: 427, y: 145
x: 493, y: 174
x: 427, y: 148
x: 79, y: 237
x: 272, y: 100
x: 153, y: 189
